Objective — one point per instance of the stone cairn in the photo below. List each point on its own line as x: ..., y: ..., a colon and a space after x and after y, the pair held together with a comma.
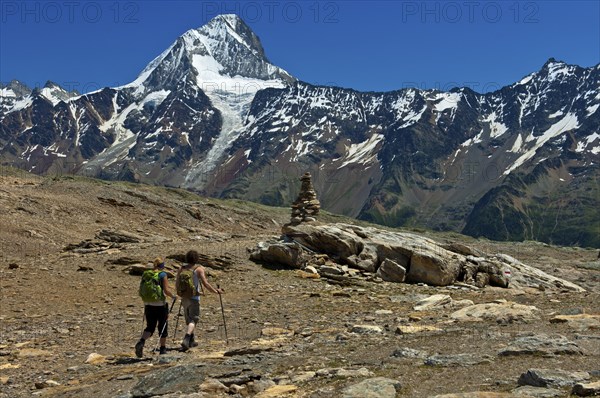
x: 307, y: 206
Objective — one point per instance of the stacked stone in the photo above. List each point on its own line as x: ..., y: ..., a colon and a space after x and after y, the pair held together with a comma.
x: 307, y: 206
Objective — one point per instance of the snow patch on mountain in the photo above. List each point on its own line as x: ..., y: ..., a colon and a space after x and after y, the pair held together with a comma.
x: 567, y: 123
x: 232, y: 96
x: 155, y: 98
x: 497, y: 128
x: 592, y: 109
x: 584, y: 144
x: 444, y: 102
x: 517, y: 144
x: 362, y: 153
x: 525, y: 80
x: 7, y: 93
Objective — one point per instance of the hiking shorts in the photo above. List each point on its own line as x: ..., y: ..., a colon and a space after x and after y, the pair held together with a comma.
x: 157, y: 315
x: 191, y: 310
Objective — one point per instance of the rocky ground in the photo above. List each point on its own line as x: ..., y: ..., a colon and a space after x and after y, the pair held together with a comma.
x: 68, y: 247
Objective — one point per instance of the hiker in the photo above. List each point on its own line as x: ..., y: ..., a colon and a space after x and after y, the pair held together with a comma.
x: 154, y: 288
x: 190, y: 280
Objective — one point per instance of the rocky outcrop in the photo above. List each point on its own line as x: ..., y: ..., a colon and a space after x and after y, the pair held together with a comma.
x: 344, y: 250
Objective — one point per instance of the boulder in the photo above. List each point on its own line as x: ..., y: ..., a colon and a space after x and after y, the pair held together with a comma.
x: 392, y: 253
x: 118, y: 236
x: 497, y: 311
x: 412, y: 329
x: 527, y: 276
x: 282, y: 253
x: 551, y: 378
x: 95, y: 359
x: 455, y: 360
x: 434, y: 268
x: 587, y: 390
x: 391, y: 271
x: 213, y: 386
x: 406, y: 352
x: 579, y: 322
x: 433, y: 302
x: 541, y: 344
x: 341, y: 372
x: 366, y: 329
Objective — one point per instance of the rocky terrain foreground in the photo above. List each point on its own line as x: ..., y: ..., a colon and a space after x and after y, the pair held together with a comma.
x: 70, y: 314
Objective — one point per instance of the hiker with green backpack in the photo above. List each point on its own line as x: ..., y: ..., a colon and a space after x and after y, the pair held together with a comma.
x: 154, y: 287
x: 190, y: 280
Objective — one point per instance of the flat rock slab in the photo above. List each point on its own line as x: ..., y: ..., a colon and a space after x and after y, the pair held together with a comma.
x: 456, y: 360
x: 278, y: 391
x: 552, y: 378
x: 366, y: 329
x: 433, y: 302
x: 378, y: 387
x: 406, y: 352
x: 341, y: 372
x: 412, y: 329
x: 183, y: 378
x: 538, y: 392
x: 541, y: 344
x: 580, y: 322
x: 506, y: 311
x: 587, y: 390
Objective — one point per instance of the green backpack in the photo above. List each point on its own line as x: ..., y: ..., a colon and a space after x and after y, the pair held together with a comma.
x: 185, y: 285
x: 150, y: 288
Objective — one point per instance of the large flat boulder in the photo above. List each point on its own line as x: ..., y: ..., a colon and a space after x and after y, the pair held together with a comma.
x: 500, y: 311
x: 541, y: 344
x: 389, y: 254
x: 368, y: 249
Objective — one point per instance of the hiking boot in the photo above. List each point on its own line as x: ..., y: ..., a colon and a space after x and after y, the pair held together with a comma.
x: 139, y: 349
x: 163, y: 350
x: 193, y: 343
x: 185, y: 344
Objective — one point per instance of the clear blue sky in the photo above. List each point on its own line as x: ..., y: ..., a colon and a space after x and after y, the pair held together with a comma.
x: 368, y: 46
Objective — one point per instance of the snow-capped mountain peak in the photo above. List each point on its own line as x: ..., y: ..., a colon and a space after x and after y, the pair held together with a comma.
x: 223, y: 48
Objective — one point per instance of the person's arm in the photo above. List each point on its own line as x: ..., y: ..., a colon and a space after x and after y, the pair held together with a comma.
x: 165, y: 286
x: 204, y: 281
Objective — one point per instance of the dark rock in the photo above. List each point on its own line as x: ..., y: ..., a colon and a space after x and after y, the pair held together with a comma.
x: 541, y: 345
x: 551, y: 378
x: 181, y: 378
x: 118, y: 236
x: 409, y: 353
x: 455, y: 360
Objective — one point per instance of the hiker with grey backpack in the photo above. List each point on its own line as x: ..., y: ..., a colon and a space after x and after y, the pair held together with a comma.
x: 190, y: 280
x: 154, y: 289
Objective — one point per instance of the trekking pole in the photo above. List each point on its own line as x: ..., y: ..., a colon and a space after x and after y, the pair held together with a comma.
x: 166, y: 318
x: 223, y: 313
x: 177, y: 321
